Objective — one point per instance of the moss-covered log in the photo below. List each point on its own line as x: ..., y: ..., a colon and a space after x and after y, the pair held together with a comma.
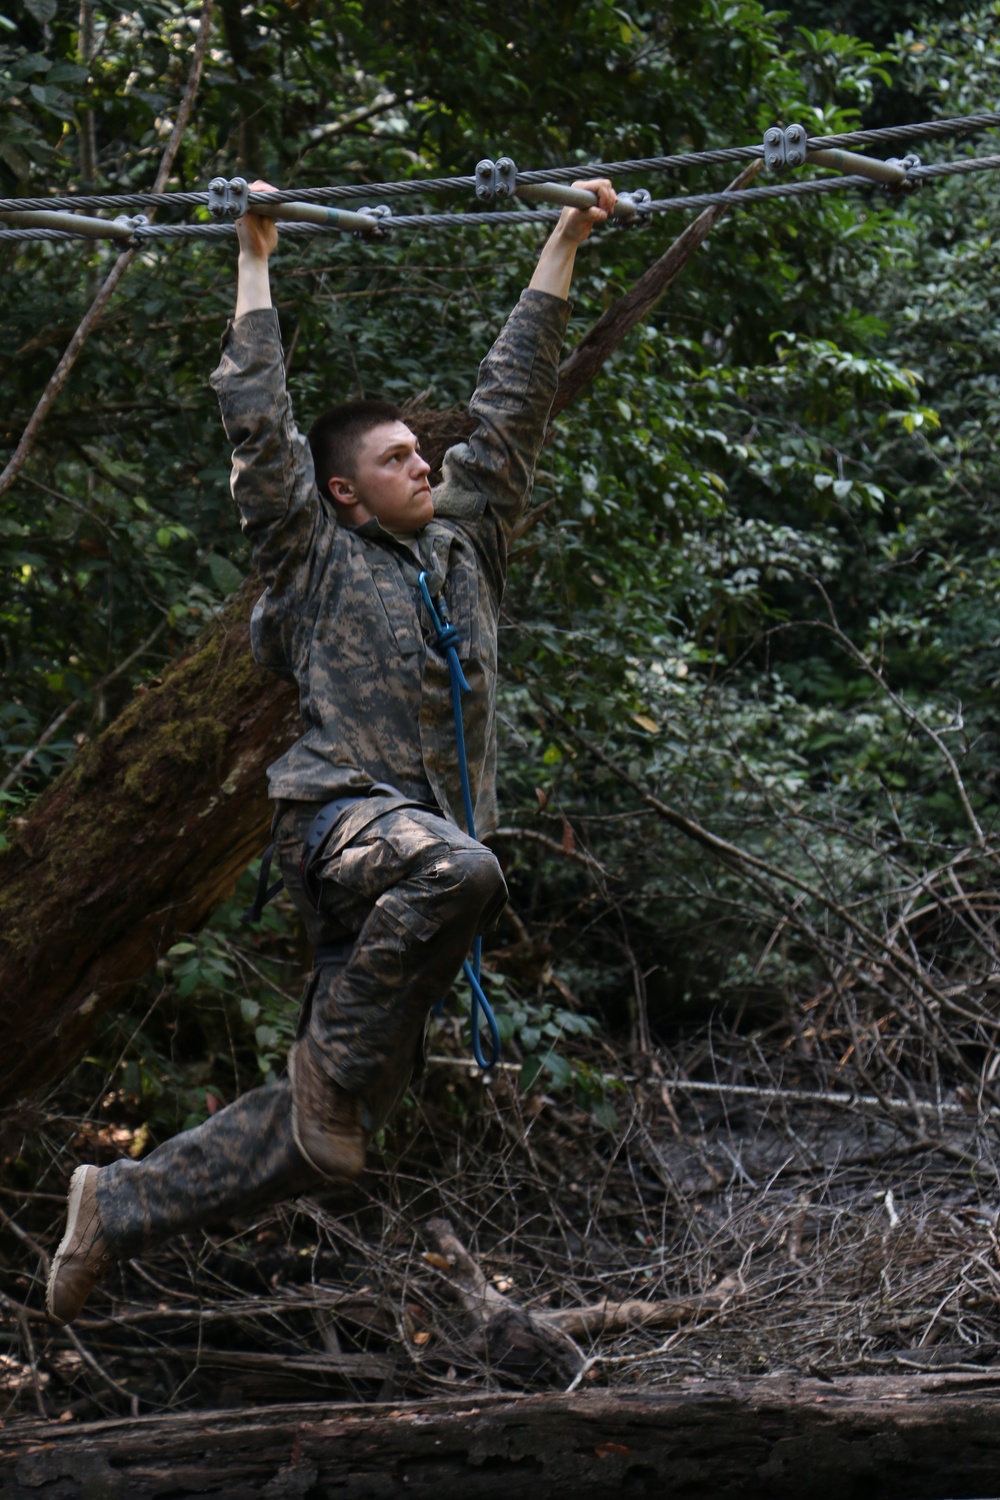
x: 140, y: 841
x: 149, y: 831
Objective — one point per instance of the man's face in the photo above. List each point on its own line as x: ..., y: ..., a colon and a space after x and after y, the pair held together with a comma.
x: 389, y: 481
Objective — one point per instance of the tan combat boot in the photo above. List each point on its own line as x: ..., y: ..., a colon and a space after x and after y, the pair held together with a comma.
x: 326, y: 1121
x: 83, y: 1258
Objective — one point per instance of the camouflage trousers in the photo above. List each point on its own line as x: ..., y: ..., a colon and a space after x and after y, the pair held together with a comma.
x: 400, y: 893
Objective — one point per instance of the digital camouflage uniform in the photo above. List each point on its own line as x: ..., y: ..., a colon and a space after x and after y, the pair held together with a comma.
x: 401, y: 888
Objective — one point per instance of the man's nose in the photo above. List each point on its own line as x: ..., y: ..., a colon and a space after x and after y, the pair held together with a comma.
x: 420, y: 465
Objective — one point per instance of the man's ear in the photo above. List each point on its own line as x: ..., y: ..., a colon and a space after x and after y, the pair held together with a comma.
x: 342, y: 491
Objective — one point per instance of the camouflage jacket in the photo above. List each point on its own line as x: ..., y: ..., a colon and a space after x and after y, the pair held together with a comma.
x: 342, y: 613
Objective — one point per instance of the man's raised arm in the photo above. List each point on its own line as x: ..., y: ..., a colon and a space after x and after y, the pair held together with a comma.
x: 491, y: 475
x: 258, y: 237
x: 273, y: 480
x: 554, y: 271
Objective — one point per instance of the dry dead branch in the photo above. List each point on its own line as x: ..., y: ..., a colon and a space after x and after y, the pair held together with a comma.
x: 504, y: 1334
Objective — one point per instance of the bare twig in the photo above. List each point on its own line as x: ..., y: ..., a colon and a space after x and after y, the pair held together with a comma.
x: 506, y: 1333
x: 532, y: 836
x: 879, y: 949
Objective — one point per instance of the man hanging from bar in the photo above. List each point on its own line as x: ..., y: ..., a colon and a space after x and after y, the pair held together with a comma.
x: 368, y: 808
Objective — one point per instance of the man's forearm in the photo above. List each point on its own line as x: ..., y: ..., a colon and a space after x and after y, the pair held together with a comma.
x: 253, y: 284
x: 554, y: 271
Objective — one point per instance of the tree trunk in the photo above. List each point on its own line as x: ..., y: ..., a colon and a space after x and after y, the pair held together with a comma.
x: 139, y: 842
x: 914, y: 1437
x: 143, y: 838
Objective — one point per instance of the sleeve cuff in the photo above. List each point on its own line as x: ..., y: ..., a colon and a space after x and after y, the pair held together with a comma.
x: 252, y: 327
x: 553, y: 305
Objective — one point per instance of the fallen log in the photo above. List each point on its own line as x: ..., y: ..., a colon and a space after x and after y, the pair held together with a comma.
x: 911, y: 1438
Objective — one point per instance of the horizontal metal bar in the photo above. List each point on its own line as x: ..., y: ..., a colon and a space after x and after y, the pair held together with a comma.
x: 314, y: 213
x: 91, y: 229
x: 854, y: 165
x: 570, y: 197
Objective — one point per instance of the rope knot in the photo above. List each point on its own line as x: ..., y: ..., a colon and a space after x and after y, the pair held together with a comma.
x: 447, y: 636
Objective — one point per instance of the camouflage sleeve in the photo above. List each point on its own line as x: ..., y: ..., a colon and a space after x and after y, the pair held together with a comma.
x: 517, y: 381
x: 273, y: 481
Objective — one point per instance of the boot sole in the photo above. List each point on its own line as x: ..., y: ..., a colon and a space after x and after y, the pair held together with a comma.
x: 333, y: 1173
x: 295, y: 1114
x: 77, y: 1183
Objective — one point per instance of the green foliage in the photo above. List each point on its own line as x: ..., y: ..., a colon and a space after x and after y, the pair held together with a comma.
x: 540, y: 1030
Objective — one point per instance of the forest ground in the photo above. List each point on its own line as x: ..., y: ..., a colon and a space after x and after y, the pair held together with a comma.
x: 761, y: 1230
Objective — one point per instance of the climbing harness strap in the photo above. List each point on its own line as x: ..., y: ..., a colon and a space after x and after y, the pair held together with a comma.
x: 264, y: 892
x: 315, y: 840
x: 446, y: 643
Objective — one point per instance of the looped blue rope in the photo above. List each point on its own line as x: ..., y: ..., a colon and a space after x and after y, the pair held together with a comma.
x: 446, y: 642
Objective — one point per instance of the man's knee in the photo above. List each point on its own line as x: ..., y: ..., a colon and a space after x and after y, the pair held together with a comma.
x: 472, y: 877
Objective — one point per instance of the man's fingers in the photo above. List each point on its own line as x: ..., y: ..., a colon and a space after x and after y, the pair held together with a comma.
x: 257, y: 233
x: 604, y: 193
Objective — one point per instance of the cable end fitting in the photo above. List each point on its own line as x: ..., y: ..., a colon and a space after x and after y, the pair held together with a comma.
x: 381, y: 227
x: 909, y: 184
x: 136, y: 224
x: 638, y: 210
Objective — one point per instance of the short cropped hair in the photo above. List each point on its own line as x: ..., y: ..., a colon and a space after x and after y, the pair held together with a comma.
x: 335, y: 436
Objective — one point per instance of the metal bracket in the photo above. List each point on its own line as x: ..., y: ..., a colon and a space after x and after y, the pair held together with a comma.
x: 785, y: 147
x: 642, y: 212
x: 381, y: 228
x: 495, y: 179
x: 227, y: 200
x: 796, y: 141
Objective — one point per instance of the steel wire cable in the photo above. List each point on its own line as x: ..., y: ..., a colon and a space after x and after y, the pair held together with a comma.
x: 928, y: 129
x: 959, y: 125
x: 507, y: 217
x: 510, y: 217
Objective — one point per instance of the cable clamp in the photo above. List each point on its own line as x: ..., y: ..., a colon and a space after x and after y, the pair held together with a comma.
x: 495, y: 179
x: 785, y: 147
x: 227, y: 200
x: 907, y: 163
x: 641, y: 205
x: 136, y: 224
x: 381, y: 228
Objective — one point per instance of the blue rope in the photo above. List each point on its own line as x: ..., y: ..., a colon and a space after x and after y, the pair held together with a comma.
x: 446, y: 643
